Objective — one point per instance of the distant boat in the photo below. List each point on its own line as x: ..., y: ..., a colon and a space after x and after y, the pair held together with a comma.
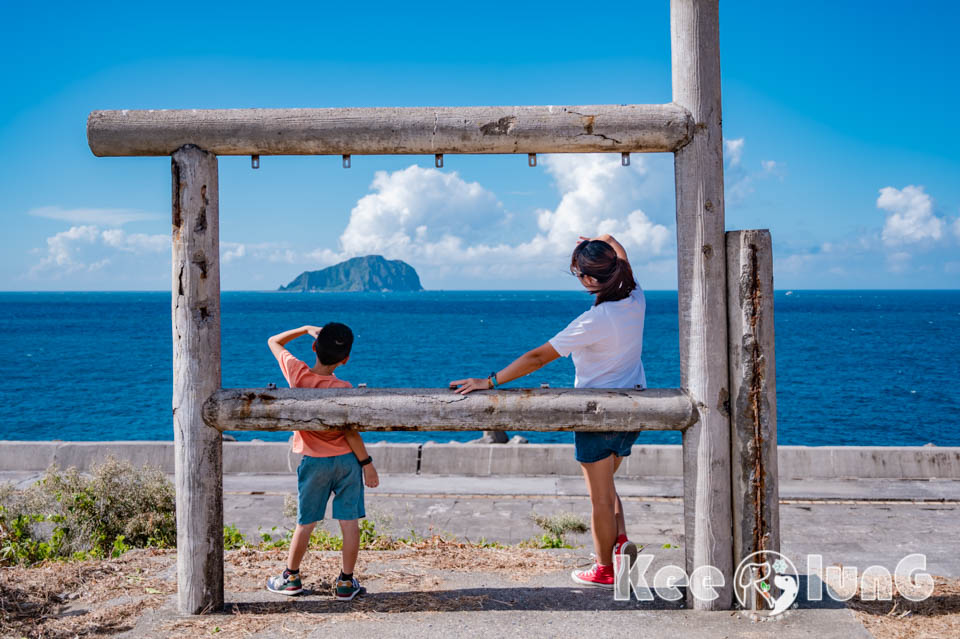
x: 789, y: 292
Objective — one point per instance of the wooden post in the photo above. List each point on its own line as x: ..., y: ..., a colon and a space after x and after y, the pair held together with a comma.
x: 196, y: 376
x: 694, y: 31
x: 753, y: 398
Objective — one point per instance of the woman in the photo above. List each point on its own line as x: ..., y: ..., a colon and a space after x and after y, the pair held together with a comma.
x: 606, y: 343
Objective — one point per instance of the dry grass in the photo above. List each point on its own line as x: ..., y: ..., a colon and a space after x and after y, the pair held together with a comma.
x: 899, y: 618
x: 91, y: 598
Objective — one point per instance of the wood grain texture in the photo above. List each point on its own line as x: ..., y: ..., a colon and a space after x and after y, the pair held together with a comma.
x: 428, y: 409
x: 753, y: 397
x: 701, y: 267
x: 196, y: 376
x: 384, y: 131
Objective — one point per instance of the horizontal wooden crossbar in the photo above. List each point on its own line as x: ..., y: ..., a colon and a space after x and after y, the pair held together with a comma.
x: 428, y: 409
x: 643, y: 128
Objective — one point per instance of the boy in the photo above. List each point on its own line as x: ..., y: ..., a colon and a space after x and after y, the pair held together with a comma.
x: 330, y: 461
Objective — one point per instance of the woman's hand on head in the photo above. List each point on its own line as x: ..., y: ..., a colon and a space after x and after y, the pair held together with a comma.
x: 464, y: 386
x: 606, y: 237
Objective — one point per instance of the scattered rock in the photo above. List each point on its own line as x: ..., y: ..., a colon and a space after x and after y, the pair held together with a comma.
x: 491, y: 437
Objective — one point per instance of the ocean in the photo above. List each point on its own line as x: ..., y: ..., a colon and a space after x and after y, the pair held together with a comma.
x: 853, y: 367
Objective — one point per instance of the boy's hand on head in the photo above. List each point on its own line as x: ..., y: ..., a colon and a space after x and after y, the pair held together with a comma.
x: 313, y: 331
x: 370, y: 476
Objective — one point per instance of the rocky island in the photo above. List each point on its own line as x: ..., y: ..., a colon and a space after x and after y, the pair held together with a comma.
x: 368, y: 273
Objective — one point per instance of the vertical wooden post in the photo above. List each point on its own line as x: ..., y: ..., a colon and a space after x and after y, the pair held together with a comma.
x: 695, y: 53
x: 753, y: 398
x: 196, y: 376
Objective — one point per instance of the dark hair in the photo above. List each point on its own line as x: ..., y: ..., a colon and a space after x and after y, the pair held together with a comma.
x: 334, y: 343
x: 597, y: 259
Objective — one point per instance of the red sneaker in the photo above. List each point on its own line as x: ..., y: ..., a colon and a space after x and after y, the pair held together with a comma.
x: 599, y: 576
x: 624, y: 547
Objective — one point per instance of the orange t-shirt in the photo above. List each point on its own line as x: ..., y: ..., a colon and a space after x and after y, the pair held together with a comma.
x: 308, y: 442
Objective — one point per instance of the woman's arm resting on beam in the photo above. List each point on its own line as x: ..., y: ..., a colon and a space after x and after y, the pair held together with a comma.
x: 523, y: 365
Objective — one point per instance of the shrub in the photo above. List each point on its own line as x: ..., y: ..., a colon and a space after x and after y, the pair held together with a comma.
x: 233, y: 538
x: 556, y: 528
x: 69, y: 514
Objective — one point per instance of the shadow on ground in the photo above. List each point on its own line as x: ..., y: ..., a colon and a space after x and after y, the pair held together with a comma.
x: 456, y: 600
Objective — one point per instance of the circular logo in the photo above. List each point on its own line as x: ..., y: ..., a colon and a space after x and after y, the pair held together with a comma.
x: 767, y: 578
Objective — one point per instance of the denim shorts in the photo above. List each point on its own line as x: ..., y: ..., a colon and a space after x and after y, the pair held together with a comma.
x: 592, y: 447
x: 317, y: 477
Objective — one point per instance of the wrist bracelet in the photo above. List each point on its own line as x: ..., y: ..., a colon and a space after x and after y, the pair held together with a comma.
x: 368, y: 460
x: 493, y: 379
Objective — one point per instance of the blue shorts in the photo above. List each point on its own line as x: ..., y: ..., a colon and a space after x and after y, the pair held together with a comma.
x: 317, y: 477
x: 592, y: 447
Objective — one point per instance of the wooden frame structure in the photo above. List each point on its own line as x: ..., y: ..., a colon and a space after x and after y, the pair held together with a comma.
x: 726, y: 409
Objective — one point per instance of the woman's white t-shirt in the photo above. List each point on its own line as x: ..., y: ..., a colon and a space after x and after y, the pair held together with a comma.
x: 606, y: 343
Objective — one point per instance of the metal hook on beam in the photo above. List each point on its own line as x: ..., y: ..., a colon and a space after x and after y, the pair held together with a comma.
x: 346, y: 161
x: 438, y: 160
x: 531, y: 159
x: 625, y: 159
x: 254, y: 161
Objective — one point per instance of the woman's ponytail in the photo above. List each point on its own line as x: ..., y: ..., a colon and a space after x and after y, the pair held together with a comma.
x: 597, y: 259
x: 620, y: 284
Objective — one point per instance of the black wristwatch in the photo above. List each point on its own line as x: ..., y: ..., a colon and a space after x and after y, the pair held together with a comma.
x: 368, y: 460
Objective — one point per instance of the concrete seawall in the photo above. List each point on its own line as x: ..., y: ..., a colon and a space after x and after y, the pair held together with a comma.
x: 795, y: 462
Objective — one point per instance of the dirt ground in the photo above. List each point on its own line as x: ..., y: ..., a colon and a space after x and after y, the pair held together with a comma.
x: 103, y: 598
x: 107, y: 598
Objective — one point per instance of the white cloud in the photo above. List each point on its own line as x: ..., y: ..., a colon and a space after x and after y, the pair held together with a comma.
x: 274, y: 252
x: 460, y: 229
x: 82, y: 248
x: 435, y: 218
x: 733, y: 150
x: 597, y: 197
x: 741, y: 182
x: 416, y: 208
x: 230, y: 251
x: 96, y: 217
x: 135, y: 242
x: 956, y: 227
x: 910, y: 216
x: 62, y: 248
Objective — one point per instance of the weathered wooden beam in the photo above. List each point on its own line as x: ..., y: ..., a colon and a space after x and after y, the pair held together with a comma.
x: 196, y: 375
x: 753, y: 399
x: 389, y: 131
x: 424, y: 409
x: 694, y: 29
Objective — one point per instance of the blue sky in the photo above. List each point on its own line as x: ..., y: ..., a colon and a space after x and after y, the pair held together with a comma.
x: 838, y: 120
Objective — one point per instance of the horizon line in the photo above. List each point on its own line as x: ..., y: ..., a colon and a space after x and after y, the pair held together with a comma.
x: 467, y: 290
